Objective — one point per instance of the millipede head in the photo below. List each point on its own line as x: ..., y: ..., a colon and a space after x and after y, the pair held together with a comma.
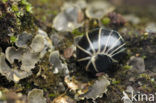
x: 99, y: 50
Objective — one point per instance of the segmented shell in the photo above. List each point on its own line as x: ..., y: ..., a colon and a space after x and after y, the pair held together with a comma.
x: 99, y: 49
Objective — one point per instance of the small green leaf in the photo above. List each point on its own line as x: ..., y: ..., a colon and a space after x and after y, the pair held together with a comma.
x: 24, y: 2
x: 4, y: 1
x: 115, y: 82
x: 76, y: 32
x: 27, y: 5
x: 106, y: 21
x: 52, y: 95
x: 127, y: 67
x: 29, y: 8
x: 13, y: 39
x: 15, y: 8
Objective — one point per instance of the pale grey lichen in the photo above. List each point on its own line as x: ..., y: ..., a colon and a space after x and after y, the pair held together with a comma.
x: 132, y: 18
x: 137, y: 64
x: 151, y: 28
x: 12, y: 53
x: 97, y: 9
x: 57, y: 64
x: 54, y: 59
x: 98, y: 88
x: 88, y: 90
x: 23, y: 39
x: 78, y: 87
x: 37, y: 44
x: 48, y: 46
x: 18, y: 75
x: 63, y: 99
x: 80, y: 3
x: 9, y: 73
x: 4, y: 68
x: 69, y: 19
x: 27, y: 56
x: 56, y: 39
x: 36, y: 96
x: 29, y: 60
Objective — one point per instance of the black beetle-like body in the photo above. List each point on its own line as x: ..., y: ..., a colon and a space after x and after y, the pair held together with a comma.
x: 99, y: 50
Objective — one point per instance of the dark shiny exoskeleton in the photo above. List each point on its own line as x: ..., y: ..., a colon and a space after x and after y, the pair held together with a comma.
x: 99, y: 50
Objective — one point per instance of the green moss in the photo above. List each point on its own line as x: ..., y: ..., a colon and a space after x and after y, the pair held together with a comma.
x: 24, y: 2
x: 126, y: 67
x: 13, y: 39
x: 29, y: 8
x: 76, y: 32
x: 27, y: 5
x: 144, y: 75
x: 115, y: 81
x: 4, y: 1
x: 144, y: 87
x: 52, y: 95
x: 106, y: 20
x: 144, y: 56
x: 15, y: 8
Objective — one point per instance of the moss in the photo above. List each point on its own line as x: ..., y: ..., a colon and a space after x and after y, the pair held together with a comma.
x: 95, y: 23
x: 4, y: 1
x: 13, y: 39
x: 106, y: 20
x: 15, y: 8
x: 29, y: 8
x: 16, y: 17
x: 115, y: 82
x: 76, y: 32
x: 45, y: 77
x: 52, y: 95
x: 144, y: 75
x: 55, y: 12
x: 27, y: 5
x: 27, y: 22
x: 127, y: 67
x: 144, y: 56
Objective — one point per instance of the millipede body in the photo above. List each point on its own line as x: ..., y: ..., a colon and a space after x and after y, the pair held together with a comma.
x: 99, y: 49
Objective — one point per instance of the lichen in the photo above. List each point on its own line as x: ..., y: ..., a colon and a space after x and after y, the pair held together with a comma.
x: 36, y: 96
x: 65, y: 22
